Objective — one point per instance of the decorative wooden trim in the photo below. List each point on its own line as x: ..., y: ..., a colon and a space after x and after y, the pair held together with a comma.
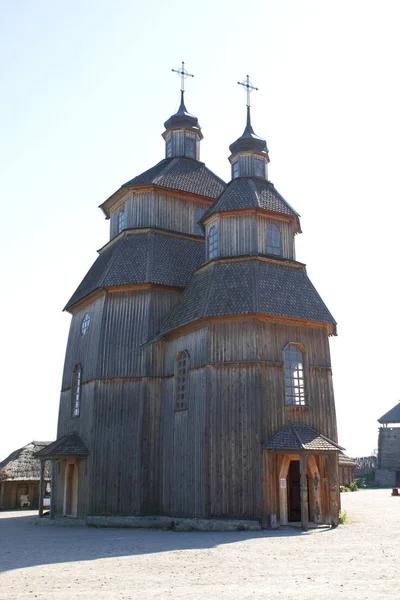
x: 255, y: 316
x: 118, y: 288
x: 249, y: 257
x: 145, y: 230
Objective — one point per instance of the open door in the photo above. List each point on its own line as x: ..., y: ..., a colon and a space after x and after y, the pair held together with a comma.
x: 293, y: 491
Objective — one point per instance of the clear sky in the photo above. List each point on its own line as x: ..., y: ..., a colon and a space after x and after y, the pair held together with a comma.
x: 85, y: 88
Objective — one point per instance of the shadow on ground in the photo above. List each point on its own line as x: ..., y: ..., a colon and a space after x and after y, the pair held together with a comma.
x: 26, y: 544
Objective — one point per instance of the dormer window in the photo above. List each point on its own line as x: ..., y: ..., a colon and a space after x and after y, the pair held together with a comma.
x: 121, y: 220
x: 259, y: 168
x: 212, y: 242
x: 190, y: 147
x: 168, y: 147
x: 273, y: 240
x: 235, y: 169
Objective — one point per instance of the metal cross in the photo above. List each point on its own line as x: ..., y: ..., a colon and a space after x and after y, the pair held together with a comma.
x: 248, y: 87
x: 184, y: 75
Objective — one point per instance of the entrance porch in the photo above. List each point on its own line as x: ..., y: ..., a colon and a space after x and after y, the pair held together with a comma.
x: 300, y: 479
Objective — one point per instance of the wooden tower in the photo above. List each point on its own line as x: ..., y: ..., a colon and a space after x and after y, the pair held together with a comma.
x: 197, y: 379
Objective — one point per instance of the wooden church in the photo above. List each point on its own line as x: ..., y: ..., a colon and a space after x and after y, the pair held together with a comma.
x: 197, y: 379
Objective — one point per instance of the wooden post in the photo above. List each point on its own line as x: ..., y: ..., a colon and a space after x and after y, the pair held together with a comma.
x: 333, y: 471
x: 265, y: 483
x: 42, y: 462
x: 303, y: 492
x: 52, y: 494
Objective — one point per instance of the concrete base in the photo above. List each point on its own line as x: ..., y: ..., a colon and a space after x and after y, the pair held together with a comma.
x: 175, y: 523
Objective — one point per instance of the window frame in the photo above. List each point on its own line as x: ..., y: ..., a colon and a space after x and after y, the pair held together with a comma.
x: 181, y: 384
x: 294, y: 378
x: 85, y: 323
x: 235, y: 169
x: 259, y: 164
x: 198, y: 213
x: 76, y: 391
x: 168, y: 147
x: 212, y: 241
x: 121, y: 220
x: 190, y: 146
x: 272, y: 240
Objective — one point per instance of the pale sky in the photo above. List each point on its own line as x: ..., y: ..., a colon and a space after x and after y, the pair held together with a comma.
x: 85, y: 88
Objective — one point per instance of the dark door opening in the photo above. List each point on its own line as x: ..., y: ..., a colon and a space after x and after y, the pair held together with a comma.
x: 294, y: 506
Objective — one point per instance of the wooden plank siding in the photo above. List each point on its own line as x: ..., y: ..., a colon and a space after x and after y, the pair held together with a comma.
x: 155, y: 209
x: 183, y: 449
x: 233, y: 436
x: 83, y: 349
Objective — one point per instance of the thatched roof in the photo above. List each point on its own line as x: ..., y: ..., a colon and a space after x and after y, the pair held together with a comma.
x: 22, y: 465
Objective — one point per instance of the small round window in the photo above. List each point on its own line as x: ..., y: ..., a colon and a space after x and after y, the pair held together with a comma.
x: 85, y: 323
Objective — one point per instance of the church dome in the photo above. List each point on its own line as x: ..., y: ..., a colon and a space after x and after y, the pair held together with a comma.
x: 182, y: 118
x: 249, y: 141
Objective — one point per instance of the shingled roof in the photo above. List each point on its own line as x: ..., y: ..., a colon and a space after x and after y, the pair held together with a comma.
x: 148, y: 257
x: 248, y: 192
x: 22, y: 464
x: 179, y: 173
x: 301, y: 437
x: 68, y: 445
x: 249, y: 287
x: 392, y: 416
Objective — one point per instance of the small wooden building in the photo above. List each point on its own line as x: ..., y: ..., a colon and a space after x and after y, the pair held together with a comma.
x: 20, y: 477
x: 197, y: 378
x: 388, y: 471
x: 347, y: 467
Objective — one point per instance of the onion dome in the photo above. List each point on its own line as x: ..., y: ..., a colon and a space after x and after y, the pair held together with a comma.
x: 182, y: 119
x: 249, y: 141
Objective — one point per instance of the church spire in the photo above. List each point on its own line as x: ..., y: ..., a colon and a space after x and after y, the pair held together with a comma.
x: 249, y: 153
x: 182, y: 130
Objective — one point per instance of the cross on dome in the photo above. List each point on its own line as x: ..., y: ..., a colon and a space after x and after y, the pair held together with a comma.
x: 249, y: 87
x: 183, y: 75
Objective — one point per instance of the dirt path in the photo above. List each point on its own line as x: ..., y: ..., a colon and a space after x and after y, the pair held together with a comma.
x: 356, y: 561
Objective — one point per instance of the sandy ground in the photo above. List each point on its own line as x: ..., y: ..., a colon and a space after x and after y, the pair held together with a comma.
x: 357, y: 560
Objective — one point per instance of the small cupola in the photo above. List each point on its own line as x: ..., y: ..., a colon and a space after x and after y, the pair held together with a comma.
x: 182, y: 133
x: 249, y: 154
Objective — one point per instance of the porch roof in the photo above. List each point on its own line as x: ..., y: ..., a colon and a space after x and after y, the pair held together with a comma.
x: 301, y: 438
x: 68, y: 445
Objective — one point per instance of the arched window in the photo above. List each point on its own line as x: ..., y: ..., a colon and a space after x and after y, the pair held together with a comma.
x: 85, y: 323
x: 76, y: 391
x: 273, y: 240
x: 212, y: 242
x: 181, y: 380
x: 121, y: 220
x: 294, y: 375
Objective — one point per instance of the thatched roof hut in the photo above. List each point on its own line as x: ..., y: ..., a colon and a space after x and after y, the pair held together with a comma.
x: 22, y: 465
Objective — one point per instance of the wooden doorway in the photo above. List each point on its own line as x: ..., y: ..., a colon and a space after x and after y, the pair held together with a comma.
x: 71, y: 489
x: 293, y: 491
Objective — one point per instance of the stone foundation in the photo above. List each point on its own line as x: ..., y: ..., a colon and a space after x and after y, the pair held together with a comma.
x: 385, y: 478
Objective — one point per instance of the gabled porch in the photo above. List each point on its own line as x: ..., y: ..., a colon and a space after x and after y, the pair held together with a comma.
x: 300, y: 479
